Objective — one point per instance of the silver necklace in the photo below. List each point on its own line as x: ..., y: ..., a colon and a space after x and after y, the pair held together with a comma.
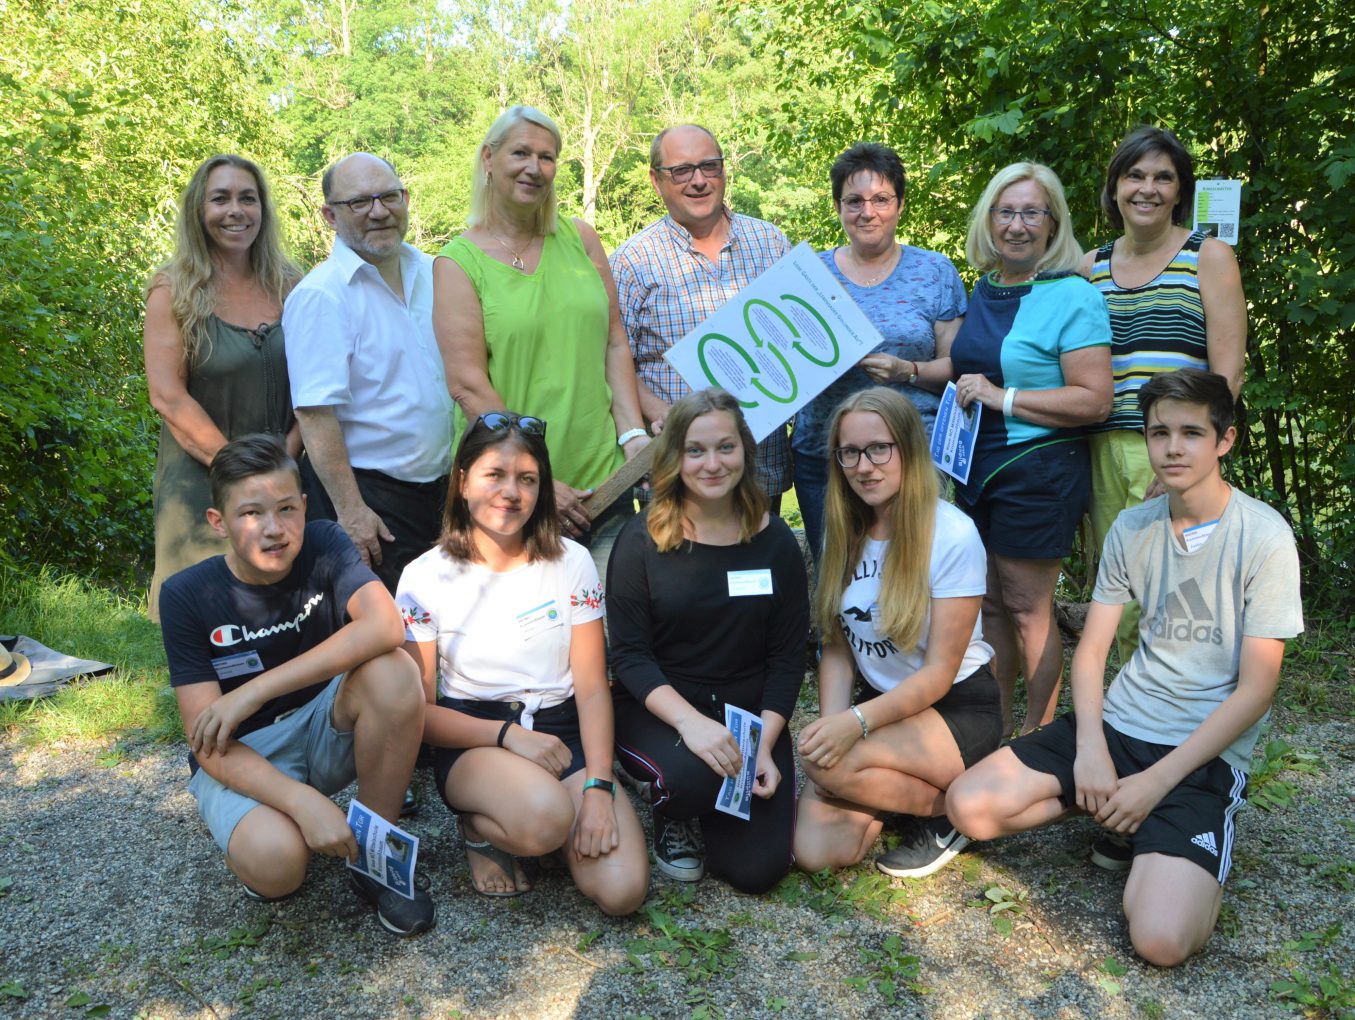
x: 889, y: 267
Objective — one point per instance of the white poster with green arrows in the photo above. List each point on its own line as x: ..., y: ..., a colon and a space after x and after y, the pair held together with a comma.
x: 779, y: 342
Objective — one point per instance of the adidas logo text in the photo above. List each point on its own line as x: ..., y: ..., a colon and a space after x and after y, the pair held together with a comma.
x: 1191, y: 621
x: 1205, y: 840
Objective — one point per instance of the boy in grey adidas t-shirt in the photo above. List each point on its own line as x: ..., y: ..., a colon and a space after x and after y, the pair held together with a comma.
x: 1162, y: 757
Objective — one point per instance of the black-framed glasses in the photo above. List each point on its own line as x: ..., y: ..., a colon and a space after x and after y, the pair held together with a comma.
x: 1030, y: 217
x: 880, y: 203
x: 876, y: 453
x: 363, y: 203
x: 502, y: 421
x: 681, y: 173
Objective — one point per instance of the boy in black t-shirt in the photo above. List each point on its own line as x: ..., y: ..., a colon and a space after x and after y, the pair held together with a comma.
x: 285, y: 657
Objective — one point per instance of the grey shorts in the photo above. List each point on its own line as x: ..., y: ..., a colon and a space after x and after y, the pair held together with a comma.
x: 303, y: 746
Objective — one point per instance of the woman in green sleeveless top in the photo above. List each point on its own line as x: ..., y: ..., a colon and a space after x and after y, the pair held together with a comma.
x: 215, y: 365
x: 525, y: 313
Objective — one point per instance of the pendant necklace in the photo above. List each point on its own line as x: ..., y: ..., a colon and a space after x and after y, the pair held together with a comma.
x: 517, y: 259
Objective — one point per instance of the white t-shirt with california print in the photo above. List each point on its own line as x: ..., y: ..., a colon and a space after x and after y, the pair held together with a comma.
x: 959, y: 568
x: 501, y: 636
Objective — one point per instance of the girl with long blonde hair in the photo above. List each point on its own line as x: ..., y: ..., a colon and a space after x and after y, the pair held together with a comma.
x: 901, y: 581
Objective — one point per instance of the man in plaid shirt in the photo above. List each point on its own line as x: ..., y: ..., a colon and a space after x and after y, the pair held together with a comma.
x: 671, y: 276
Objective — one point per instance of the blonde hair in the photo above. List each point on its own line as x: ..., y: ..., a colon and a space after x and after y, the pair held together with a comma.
x: 546, y: 218
x: 667, y: 490
x: 190, y: 273
x: 905, y: 589
x: 1063, y: 254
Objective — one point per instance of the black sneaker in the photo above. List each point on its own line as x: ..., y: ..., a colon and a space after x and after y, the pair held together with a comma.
x: 397, y: 914
x: 1113, y: 852
x: 929, y: 848
x: 409, y: 807
x: 677, y: 850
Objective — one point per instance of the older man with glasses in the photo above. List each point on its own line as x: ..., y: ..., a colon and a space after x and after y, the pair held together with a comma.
x: 367, y: 378
x: 677, y: 271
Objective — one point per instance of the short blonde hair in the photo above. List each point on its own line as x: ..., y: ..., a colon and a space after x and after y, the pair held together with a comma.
x: 498, y: 131
x: 1063, y: 254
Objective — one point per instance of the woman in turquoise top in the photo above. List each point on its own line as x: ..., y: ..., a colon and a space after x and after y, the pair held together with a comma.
x: 1034, y: 350
x: 526, y: 316
x: 1175, y: 300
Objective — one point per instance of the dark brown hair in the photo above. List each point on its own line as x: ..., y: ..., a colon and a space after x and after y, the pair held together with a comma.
x: 541, y: 533
x: 1140, y: 142
x: 245, y: 457
x: 1191, y: 386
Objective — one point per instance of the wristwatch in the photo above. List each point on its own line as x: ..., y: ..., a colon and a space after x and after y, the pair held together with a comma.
x: 601, y: 784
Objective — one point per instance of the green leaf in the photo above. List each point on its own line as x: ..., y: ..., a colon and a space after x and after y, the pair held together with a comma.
x: 78, y: 999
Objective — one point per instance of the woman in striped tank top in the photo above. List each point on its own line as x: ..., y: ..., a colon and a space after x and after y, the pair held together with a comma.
x: 1175, y: 301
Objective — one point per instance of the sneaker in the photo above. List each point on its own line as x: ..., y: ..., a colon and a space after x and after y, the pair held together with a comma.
x: 1113, y: 852
x: 929, y: 848
x: 677, y: 850
x: 259, y: 897
x: 398, y: 915
x: 409, y: 807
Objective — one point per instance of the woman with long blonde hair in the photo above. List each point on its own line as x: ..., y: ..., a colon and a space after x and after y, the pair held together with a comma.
x: 901, y: 581
x: 707, y: 607
x: 215, y: 364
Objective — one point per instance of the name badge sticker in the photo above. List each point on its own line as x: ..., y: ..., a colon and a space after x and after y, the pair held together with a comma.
x: 1198, y: 535
x: 239, y: 664
x: 749, y: 582
x: 536, y: 621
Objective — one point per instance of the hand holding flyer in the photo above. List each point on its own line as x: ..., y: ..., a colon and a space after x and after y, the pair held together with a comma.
x: 954, y: 435
x: 736, y: 792
x: 386, y: 852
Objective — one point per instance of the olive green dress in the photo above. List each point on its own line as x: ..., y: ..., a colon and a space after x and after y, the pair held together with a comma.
x: 242, y: 385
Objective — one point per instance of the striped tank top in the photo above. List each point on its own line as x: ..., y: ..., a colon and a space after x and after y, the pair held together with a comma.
x: 1158, y: 327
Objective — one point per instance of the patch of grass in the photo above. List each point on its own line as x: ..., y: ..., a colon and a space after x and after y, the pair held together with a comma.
x: 1267, y: 790
x: 892, y: 972
x: 869, y: 893
x: 697, y: 954
x: 1330, y: 994
x: 1003, y: 904
x: 78, y: 618
x: 1318, y: 669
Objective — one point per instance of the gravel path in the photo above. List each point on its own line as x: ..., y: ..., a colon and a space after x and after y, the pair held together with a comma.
x: 113, y: 895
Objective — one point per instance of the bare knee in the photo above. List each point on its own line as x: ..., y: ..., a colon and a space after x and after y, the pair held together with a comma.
x: 1161, y: 943
x: 390, y: 683
x: 621, y: 897
x: 972, y: 809
x: 548, y: 817
x: 268, y: 853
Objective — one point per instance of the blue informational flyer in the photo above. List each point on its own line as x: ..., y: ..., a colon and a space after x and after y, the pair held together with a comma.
x: 736, y: 793
x: 385, y: 852
x: 954, y: 435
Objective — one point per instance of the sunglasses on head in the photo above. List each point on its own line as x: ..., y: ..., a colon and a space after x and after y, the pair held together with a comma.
x: 501, y: 421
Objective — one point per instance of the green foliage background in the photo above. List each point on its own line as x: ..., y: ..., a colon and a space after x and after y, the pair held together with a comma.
x: 106, y: 107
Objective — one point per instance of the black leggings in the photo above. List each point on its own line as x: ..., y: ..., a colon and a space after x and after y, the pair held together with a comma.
x: 751, y: 856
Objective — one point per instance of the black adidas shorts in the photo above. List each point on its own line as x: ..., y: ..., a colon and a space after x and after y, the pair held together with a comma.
x: 1196, y: 820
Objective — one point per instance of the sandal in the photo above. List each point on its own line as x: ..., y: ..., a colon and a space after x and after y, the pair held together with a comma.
x: 502, y: 858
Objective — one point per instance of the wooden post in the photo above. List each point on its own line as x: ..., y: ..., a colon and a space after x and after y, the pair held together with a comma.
x: 626, y: 478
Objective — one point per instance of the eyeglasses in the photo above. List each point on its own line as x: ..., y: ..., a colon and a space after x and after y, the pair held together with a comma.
x: 502, y: 421
x: 880, y: 203
x: 876, y: 453
x: 1030, y: 217
x: 711, y: 169
x: 363, y: 203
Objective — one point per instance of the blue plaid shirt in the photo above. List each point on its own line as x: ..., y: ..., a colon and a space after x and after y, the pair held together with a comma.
x: 666, y: 288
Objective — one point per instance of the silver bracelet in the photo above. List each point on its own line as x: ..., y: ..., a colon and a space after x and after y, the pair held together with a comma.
x: 865, y: 730
x: 1008, y: 401
x: 628, y: 435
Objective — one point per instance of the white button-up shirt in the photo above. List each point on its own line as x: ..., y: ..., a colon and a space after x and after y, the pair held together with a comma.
x: 353, y: 346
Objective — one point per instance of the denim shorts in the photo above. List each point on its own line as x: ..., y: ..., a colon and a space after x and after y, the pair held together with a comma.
x: 303, y: 745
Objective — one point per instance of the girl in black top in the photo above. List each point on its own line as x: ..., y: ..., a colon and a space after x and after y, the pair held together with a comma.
x: 707, y: 606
